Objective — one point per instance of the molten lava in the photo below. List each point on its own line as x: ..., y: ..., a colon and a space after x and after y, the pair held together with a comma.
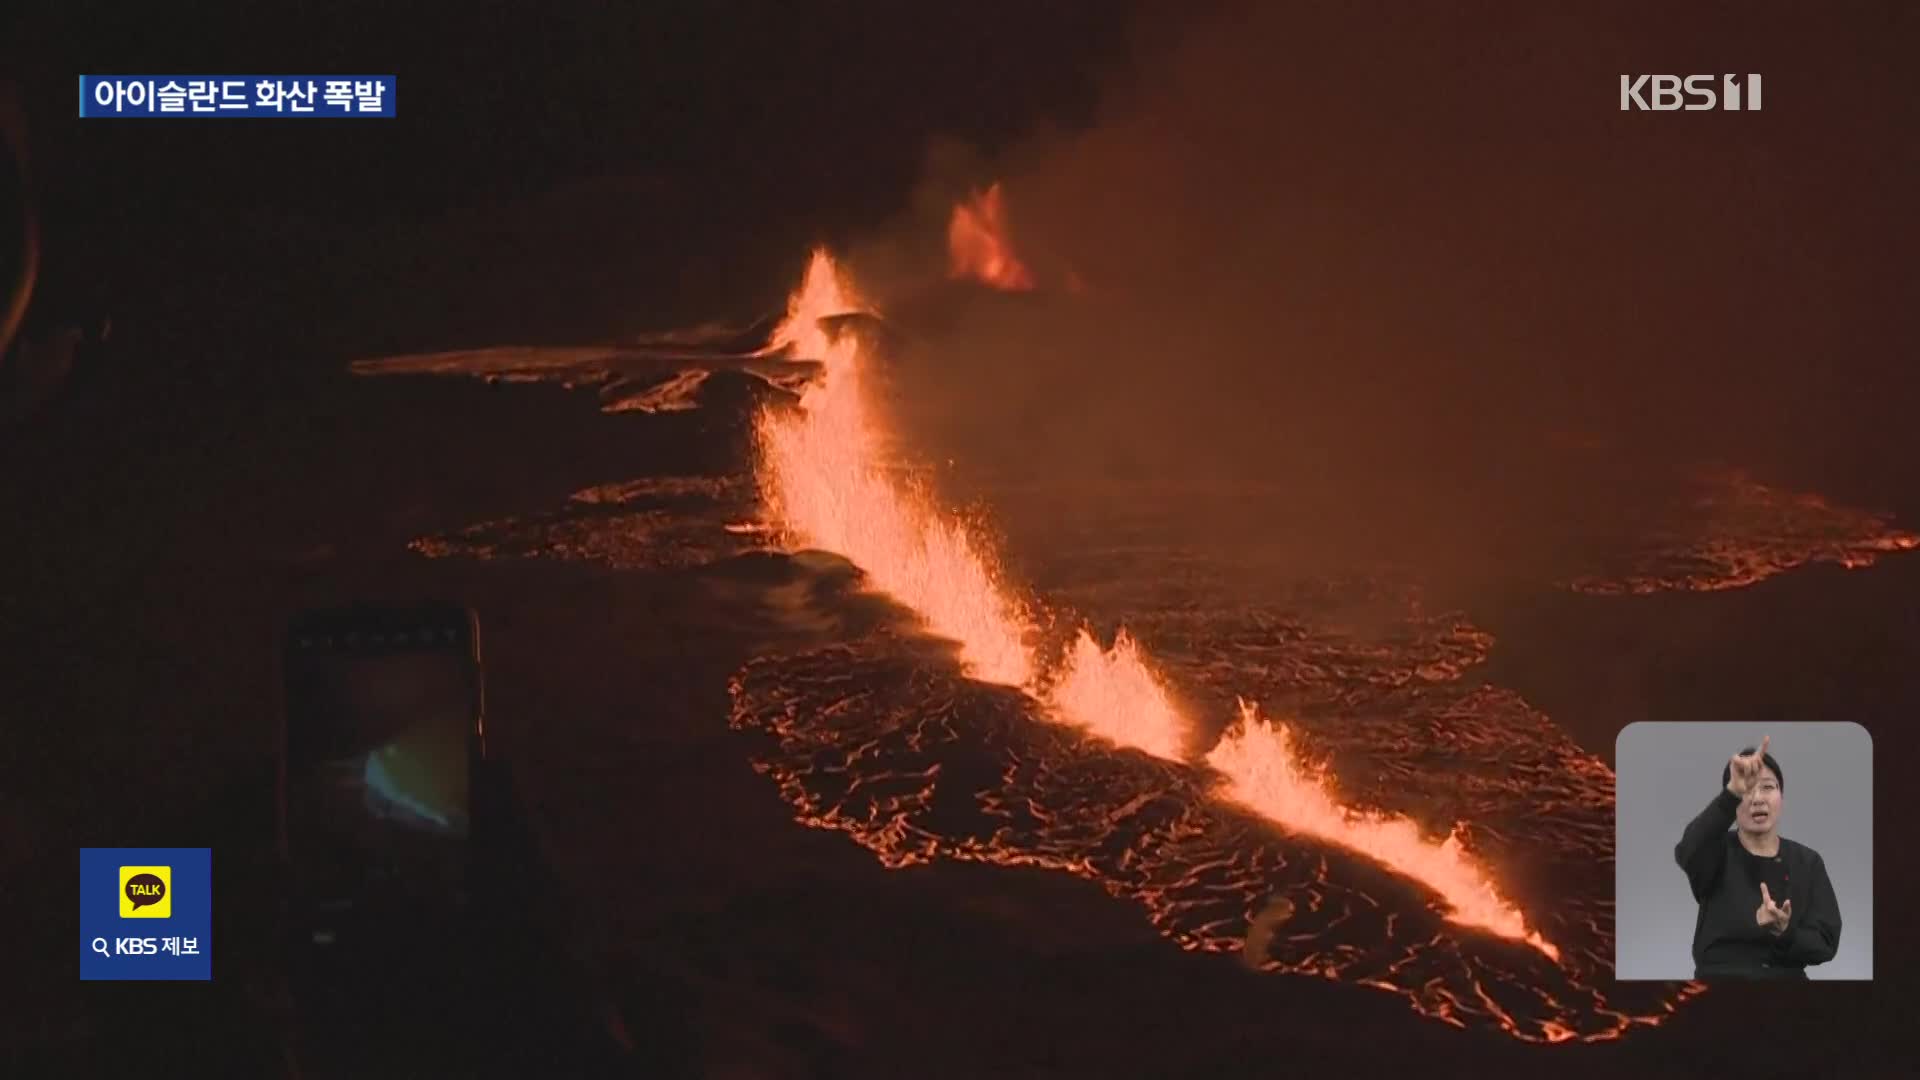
x: 824, y: 477
x: 823, y: 293
x: 1112, y: 693
x: 979, y: 247
x: 1736, y: 531
x: 1265, y: 774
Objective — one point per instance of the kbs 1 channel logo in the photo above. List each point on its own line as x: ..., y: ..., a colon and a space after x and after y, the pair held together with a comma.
x: 210, y: 97
x: 1689, y: 93
x: 146, y: 913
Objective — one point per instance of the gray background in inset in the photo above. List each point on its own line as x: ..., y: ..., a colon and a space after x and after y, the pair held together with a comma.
x: 1665, y: 773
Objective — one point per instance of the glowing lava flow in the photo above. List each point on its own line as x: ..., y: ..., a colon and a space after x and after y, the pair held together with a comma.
x: 1113, y: 694
x: 824, y: 480
x: 978, y: 246
x: 1264, y: 774
x: 822, y: 474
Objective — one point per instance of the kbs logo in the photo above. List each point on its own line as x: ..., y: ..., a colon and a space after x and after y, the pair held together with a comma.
x: 1694, y: 93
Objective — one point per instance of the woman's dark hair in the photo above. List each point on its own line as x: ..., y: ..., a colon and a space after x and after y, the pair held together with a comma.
x: 1726, y: 771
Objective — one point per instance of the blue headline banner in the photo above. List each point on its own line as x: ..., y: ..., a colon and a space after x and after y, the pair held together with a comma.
x: 362, y: 96
x: 146, y: 913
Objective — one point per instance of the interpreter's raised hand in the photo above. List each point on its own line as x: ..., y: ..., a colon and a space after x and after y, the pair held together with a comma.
x: 1744, y: 769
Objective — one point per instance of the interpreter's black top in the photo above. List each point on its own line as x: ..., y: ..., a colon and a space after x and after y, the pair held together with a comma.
x: 1726, y: 879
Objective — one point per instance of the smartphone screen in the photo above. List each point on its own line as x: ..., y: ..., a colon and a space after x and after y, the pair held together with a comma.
x: 384, y: 720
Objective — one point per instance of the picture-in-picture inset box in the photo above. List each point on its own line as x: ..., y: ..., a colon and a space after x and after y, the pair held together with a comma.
x: 1743, y: 853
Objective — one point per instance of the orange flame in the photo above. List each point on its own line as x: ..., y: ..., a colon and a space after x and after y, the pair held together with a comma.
x: 1264, y: 774
x: 979, y: 247
x: 823, y: 293
x: 1114, y: 695
x: 822, y: 471
x: 824, y: 477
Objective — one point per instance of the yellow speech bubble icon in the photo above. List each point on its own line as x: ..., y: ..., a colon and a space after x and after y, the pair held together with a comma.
x: 146, y: 892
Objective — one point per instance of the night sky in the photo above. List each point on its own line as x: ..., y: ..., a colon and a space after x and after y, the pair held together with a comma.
x: 1459, y: 186
x: 825, y: 104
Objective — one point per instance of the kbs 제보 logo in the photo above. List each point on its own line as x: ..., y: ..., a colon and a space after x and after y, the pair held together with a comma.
x: 146, y: 913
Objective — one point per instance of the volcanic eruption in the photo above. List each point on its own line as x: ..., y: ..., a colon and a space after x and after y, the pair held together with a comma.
x: 825, y: 483
x: 1210, y: 633
x: 1259, y: 780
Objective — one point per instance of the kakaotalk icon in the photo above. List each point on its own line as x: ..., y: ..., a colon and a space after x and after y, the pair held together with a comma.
x: 143, y: 892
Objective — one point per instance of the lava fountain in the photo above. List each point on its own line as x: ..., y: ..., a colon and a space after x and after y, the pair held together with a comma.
x: 823, y: 293
x: 824, y: 478
x: 1264, y: 773
x: 1112, y: 693
x: 979, y: 247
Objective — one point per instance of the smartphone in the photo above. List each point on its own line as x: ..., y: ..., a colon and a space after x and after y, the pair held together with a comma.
x: 384, y: 733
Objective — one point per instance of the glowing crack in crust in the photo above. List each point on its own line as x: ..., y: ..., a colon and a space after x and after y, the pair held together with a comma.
x: 827, y: 485
x: 1241, y: 842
